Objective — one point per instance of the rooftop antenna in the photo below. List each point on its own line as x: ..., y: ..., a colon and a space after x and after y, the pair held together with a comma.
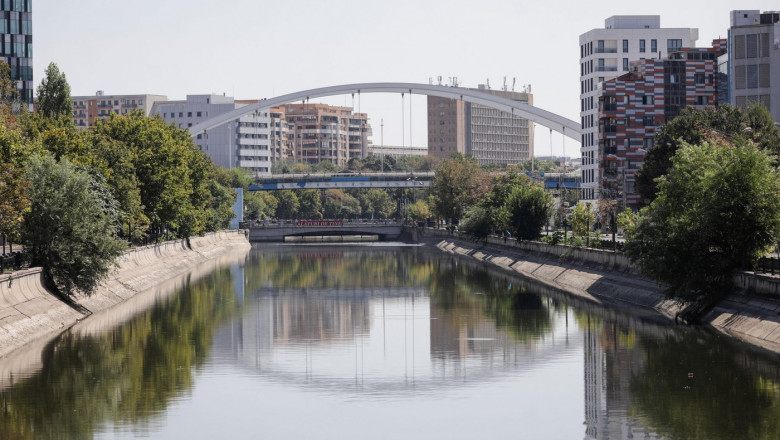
x: 439, y: 79
x: 488, y: 83
x: 504, y: 89
x: 514, y: 80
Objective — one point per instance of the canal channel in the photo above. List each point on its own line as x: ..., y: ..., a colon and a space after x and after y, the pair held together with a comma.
x: 383, y: 340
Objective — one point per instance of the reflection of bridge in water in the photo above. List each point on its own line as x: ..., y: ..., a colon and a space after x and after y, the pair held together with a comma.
x: 336, y: 341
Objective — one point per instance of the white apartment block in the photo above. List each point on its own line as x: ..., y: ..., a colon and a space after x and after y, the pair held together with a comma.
x: 754, y: 59
x: 244, y: 142
x: 607, y: 53
x: 88, y: 110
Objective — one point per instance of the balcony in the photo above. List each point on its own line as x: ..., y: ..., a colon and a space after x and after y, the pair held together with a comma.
x: 606, y: 50
x: 606, y: 68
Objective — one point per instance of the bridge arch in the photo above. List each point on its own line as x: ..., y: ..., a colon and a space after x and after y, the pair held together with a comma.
x: 537, y: 115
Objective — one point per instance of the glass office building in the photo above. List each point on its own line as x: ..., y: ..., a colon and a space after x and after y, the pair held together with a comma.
x: 17, y: 44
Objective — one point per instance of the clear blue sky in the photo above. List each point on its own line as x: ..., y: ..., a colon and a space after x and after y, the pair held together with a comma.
x: 256, y: 49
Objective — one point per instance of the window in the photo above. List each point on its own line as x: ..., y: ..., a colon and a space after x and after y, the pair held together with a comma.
x: 751, y: 40
x: 700, y: 100
x: 672, y: 45
x: 625, y: 46
x: 641, y: 45
x: 181, y: 115
x: 648, y: 100
x: 198, y: 114
x: 698, y: 78
x: 625, y: 64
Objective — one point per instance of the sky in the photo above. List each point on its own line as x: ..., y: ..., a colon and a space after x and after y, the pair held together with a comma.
x: 252, y: 49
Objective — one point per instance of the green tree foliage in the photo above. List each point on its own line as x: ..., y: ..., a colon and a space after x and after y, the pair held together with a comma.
x: 582, y: 218
x: 287, y: 204
x: 717, y: 210
x: 310, y: 204
x: 13, y: 182
x: 172, y: 173
x: 70, y: 227
x: 54, y: 94
x: 724, y: 123
x: 376, y: 203
x: 515, y: 203
x: 259, y: 205
x: 526, y: 210
x: 458, y: 184
x: 478, y: 222
x: 420, y: 210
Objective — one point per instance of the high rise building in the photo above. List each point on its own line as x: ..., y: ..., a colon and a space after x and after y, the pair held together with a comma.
x: 632, y: 106
x: 754, y: 59
x: 17, y: 44
x: 490, y: 136
x: 88, y: 110
x: 605, y: 54
x: 320, y: 132
x: 244, y: 142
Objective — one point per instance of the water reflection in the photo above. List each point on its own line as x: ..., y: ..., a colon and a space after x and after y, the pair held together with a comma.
x: 126, y: 376
x: 396, y: 331
x: 405, y: 322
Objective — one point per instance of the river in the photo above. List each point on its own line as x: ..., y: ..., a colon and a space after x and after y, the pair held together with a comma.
x: 384, y: 341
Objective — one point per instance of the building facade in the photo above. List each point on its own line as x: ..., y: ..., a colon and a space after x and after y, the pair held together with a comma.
x: 244, y: 142
x: 17, y: 45
x: 88, y: 110
x: 489, y: 135
x: 607, y: 53
x: 754, y: 60
x: 320, y: 132
x: 632, y: 106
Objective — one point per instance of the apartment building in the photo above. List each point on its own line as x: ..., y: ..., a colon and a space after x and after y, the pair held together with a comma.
x: 632, y: 106
x: 607, y: 53
x: 321, y: 132
x: 16, y: 45
x: 490, y: 136
x: 88, y: 110
x: 244, y: 142
x: 754, y: 59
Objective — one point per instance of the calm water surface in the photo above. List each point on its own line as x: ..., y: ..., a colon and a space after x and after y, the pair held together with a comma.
x: 383, y: 342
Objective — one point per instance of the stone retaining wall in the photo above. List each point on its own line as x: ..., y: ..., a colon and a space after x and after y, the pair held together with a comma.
x: 750, y: 314
x: 28, y: 311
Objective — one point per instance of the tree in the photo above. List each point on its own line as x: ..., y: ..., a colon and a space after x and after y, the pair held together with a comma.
x: 13, y: 182
x: 310, y: 204
x: 526, y: 211
x: 581, y: 219
x: 376, y: 202
x: 54, y: 94
x: 694, y: 127
x: 172, y: 173
x: 287, y: 204
x: 477, y: 223
x: 458, y: 184
x: 70, y: 229
x: 259, y: 205
x: 420, y: 210
x: 717, y: 210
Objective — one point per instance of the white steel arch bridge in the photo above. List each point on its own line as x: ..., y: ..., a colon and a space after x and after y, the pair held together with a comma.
x: 553, y: 121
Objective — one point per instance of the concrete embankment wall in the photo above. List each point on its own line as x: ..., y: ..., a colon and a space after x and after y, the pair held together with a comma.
x: 751, y: 313
x: 28, y: 311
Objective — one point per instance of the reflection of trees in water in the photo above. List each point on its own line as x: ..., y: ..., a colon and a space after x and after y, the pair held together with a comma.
x: 468, y: 292
x: 127, y: 375
x: 335, y: 267
x: 691, y: 388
